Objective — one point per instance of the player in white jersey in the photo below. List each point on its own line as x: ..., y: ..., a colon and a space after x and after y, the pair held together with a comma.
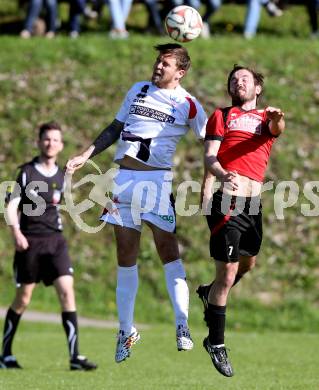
x: 159, y: 117
x: 153, y: 117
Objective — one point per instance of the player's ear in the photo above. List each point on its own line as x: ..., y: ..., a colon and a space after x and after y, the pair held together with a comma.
x: 258, y: 89
x: 181, y: 73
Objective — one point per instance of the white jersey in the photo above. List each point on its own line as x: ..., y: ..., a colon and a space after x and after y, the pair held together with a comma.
x: 154, y: 121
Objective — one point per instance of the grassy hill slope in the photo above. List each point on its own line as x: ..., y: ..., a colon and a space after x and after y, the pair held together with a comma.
x: 81, y: 84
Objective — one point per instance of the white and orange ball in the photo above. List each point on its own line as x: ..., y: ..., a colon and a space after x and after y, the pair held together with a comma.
x: 183, y: 23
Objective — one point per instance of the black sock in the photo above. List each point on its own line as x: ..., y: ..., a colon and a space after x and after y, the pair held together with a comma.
x: 216, y: 320
x: 70, y: 324
x: 10, y: 326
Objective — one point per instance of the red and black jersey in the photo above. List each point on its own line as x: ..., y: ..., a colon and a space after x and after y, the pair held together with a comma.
x: 245, y: 138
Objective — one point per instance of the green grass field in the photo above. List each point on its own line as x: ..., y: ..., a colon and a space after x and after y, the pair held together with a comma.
x: 262, y: 361
x: 81, y: 83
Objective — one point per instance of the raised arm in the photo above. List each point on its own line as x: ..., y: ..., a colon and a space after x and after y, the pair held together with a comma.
x: 106, y: 138
x: 277, y: 121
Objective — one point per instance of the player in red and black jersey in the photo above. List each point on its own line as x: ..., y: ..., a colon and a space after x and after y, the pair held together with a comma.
x: 237, y: 148
x: 41, y: 250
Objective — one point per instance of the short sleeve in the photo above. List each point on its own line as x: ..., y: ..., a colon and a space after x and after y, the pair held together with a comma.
x: 15, y: 190
x: 124, y: 110
x: 215, y: 129
x: 197, y: 118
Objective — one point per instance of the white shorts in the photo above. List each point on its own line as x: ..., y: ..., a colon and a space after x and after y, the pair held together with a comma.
x: 142, y: 196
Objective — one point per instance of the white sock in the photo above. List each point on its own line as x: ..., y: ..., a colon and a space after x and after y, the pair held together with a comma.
x: 178, y: 290
x: 127, y: 285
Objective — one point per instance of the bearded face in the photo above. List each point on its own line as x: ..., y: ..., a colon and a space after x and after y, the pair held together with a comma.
x: 242, y: 87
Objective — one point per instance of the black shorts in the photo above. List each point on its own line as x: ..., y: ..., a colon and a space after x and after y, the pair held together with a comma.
x: 236, y: 227
x: 46, y: 259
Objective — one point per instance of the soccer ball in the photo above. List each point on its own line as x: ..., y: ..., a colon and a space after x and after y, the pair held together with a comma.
x: 183, y: 23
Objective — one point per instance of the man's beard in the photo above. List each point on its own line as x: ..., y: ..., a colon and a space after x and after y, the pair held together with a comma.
x: 239, y: 100
x: 156, y: 78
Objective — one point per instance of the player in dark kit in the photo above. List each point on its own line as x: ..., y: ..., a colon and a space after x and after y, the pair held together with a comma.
x: 41, y: 250
x: 238, y: 142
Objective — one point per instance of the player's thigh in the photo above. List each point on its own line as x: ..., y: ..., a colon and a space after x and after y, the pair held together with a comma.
x: 224, y: 245
x: 226, y: 271
x: 23, y: 296
x: 163, y: 214
x: 246, y: 263
x: 225, y: 234
x: 165, y: 223
x: 64, y: 284
x: 166, y: 244
x: 56, y: 262
x: 26, y: 264
x: 127, y: 245
x: 251, y: 239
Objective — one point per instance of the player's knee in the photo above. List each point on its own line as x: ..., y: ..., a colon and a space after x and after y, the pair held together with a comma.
x: 66, y: 297
x: 251, y: 264
x: 168, y: 256
x: 226, y: 275
x: 226, y: 281
x: 22, y: 302
x: 167, y: 251
x: 127, y: 253
x: 248, y: 266
x: 229, y: 281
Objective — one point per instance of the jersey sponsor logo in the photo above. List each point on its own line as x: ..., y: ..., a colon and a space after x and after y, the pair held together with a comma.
x: 249, y: 123
x: 151, y: 113
x: 143, y: 92
x: 56, y: 197
x: 176, y: 99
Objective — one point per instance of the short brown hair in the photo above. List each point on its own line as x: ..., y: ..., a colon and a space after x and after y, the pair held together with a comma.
x: 258, y: 77
x: 49, y: 126
x: 183, y: 60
